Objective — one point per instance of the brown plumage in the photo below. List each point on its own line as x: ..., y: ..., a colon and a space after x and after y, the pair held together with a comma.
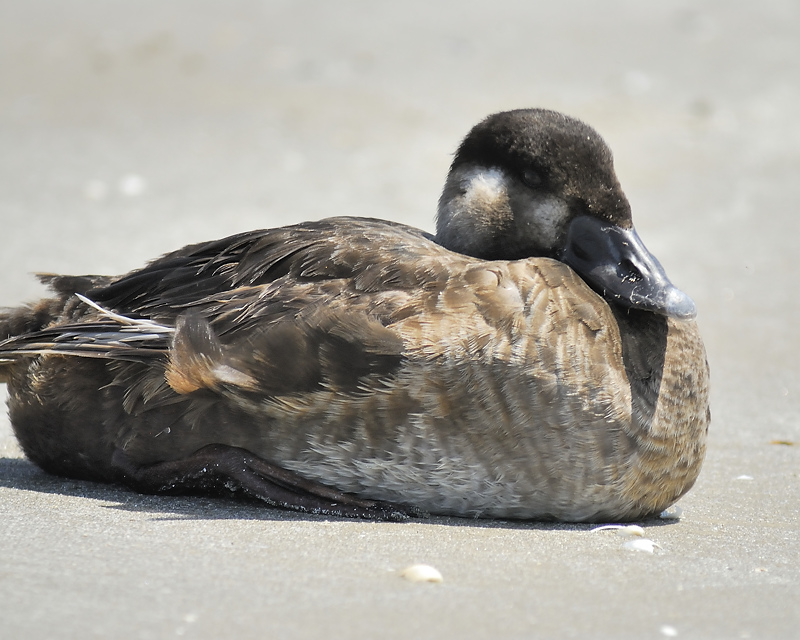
x: 361, y: 367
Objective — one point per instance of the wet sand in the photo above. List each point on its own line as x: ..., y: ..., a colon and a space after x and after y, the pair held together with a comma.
x: 130, y: 129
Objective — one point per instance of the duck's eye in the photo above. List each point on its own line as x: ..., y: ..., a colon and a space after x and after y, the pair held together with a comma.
x: 532, y: 178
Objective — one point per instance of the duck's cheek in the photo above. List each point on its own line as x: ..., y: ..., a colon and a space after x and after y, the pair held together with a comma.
x: 541, y: 220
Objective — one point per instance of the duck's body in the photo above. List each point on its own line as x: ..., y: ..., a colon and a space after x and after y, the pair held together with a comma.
x: 361, y: 356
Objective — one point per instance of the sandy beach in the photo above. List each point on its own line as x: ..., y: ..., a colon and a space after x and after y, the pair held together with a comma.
x: 128, y: 129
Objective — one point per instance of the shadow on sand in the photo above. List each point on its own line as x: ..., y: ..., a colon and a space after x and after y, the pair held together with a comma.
x: 23, y: 475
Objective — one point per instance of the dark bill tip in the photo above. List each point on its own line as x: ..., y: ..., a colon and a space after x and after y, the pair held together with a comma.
x: 616, y: 264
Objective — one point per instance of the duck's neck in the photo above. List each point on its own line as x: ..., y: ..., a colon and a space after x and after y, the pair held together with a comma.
x: 644, y: 346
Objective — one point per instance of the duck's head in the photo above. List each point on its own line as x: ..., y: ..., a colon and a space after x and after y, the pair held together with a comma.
x: 534, y: 182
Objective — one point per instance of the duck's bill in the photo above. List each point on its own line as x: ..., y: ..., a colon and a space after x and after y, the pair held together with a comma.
x: 616, y: 264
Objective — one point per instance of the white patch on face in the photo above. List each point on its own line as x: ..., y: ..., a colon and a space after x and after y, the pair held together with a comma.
x: 484, y: 187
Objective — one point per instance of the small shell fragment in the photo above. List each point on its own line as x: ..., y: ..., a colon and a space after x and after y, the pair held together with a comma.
x: 640, y: 544
x: 744, y: 477
x: 673, y: 513
x: 421, y: 573
x: 623, y: 530
x: 631, y: 531
x: 668, y: 630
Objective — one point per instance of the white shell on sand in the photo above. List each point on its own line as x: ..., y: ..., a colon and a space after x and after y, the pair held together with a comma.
x: 421, y: 573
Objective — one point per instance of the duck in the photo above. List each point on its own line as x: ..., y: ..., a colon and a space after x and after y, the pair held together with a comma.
x: 530, y: 360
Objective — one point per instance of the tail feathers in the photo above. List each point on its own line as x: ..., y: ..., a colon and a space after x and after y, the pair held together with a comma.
x: 35, y: 317
x: 23, y: 321
x: 28, y: 319
x: 194, y: 355
x: 113, y: 336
